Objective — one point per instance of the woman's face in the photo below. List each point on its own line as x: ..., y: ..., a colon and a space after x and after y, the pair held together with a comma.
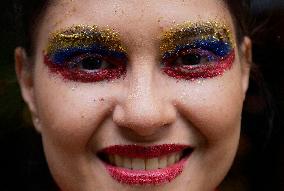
x: 137, y: 95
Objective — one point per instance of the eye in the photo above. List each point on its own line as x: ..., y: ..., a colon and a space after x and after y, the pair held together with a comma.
x: 191, y: 64
x: 191, y: 59
x: 90, y: 63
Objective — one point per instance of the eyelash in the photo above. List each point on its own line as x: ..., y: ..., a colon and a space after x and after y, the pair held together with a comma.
x: 72, y: 66
x: 188, y: 63
x: 193, y: 57
x: 199, y: 60
x: 91, y: 63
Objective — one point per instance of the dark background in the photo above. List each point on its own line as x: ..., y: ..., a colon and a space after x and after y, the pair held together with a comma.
x: 260, y: 161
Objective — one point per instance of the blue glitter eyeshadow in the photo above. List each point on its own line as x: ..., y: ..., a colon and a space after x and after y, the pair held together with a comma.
x: 61, y: 55
x: 216, y: 46
x: 219, y: 47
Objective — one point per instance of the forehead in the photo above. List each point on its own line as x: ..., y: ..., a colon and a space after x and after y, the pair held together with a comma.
x: 133, y: 14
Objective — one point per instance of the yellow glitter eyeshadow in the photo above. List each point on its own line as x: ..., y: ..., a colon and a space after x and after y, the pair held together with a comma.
x: 84, y: 36
x: 187, y: 32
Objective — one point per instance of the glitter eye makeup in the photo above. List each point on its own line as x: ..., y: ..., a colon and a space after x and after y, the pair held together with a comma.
x: 197, y: 50
x: 86, y: 54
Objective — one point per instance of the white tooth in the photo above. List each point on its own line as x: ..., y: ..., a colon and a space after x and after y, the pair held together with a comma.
x: 118, y: 160
x: 138, y: 164
x: 152, y: 163
x: 163, y: 162
x: 111, y: 159
x: 171, y: 159
x: 177, y: 157
x: 127, y: 163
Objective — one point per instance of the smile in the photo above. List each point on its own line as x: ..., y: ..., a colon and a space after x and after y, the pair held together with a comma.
x: 133, y: 164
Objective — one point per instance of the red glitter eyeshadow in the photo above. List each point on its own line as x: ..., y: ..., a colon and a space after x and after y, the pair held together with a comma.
x: 84, y: 76
x: 209, y: 70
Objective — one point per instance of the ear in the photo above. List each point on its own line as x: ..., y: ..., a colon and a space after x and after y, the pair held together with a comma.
x: 25, y: 78
x: 246, y: 62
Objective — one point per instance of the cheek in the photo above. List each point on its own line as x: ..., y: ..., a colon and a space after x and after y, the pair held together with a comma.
x: 214, y: 106
x: 70, y: 113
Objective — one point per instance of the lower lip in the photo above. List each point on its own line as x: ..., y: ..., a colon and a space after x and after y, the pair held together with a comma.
x: 146, y: 177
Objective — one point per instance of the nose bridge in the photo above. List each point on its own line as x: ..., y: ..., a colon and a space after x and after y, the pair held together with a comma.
x: 144, y: 108
x: 142, y: 100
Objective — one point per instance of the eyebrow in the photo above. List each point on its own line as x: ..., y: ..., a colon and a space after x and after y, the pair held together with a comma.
x: 188, y: 32
x: 84, y: 36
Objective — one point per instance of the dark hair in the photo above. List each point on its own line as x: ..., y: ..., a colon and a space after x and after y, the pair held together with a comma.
x: 241, y: 14
x: 27, y: 13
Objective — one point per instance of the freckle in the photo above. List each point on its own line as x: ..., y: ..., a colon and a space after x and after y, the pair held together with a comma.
x: 177, y: 81
x: 160, y: 19
x: 57, y: 23
x: 102, y: 99
x: 82, y: 116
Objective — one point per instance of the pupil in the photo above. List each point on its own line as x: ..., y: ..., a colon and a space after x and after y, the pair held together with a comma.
x: 191, y: 59
x: 91, y: 63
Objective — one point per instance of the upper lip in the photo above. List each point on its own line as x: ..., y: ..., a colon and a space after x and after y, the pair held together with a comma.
x: 138, y: 151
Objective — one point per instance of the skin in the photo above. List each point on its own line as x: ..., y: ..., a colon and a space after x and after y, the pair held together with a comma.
x: 147, y: 107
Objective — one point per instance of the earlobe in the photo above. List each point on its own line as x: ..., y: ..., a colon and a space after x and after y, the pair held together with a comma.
x: 246, y: 62
x: 25, y: 79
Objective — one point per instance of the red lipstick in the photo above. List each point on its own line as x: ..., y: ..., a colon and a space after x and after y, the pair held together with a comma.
x: 155, y: 176
x: 141, y: 177
x: 137, y: 151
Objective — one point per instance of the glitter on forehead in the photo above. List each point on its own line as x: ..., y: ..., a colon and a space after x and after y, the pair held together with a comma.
x: 183, y: 34
x: 84, y: 36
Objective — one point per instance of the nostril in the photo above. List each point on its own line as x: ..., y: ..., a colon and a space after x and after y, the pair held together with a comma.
x: 143, y: 122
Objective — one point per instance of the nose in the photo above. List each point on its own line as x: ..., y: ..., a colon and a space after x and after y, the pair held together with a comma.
x: 145, y: 108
